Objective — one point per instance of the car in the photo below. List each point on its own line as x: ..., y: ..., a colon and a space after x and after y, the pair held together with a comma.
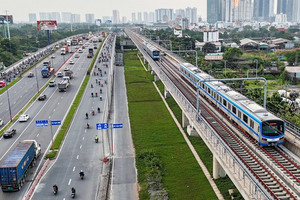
x: 30, y: 75
x: 71, y: 62
x: 59, y: 74
x: 83, y: 47
x: 2, y: 84
x: 10, y: 133
x: 52, y: 83
x: 53, y: 56
x: 42, y: 97
x: 1, y: 122
x: 95, y: 47
x: 23, y: 118
x: 76, y: 55
x: 71, y: 51
x: 86, y: 45
x: 80, y: 51
x: 66, y: 69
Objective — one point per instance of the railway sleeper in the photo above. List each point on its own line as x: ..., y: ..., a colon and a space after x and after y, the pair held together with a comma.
x: 273, y: 187
x: 279, y: 191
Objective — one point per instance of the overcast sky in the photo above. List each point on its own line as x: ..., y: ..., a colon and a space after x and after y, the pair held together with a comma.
x: 20, y: 8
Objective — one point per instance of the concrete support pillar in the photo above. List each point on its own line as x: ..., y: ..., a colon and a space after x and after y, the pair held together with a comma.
x: 218, y: 171
x: 191, y: 131
x: 156, y: 78
x: 122, y: 48
x: 185, y: 121
x: 166, y: 93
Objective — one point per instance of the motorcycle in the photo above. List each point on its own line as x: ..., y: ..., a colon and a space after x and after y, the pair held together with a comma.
x: 98, y: 110
x: 93, y: 113
x: 55, y: 190
x: 81, y: 175
x: 100, y: 98
x: 87, y: 126
x: 73, y: 193
x: 96, y: 140
x: 100, y: 91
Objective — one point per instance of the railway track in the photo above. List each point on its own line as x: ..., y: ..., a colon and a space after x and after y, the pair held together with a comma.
x: 272, y: 167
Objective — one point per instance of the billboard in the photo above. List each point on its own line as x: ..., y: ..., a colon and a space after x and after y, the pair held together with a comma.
x: 6, y: 18
x: 47, y: 25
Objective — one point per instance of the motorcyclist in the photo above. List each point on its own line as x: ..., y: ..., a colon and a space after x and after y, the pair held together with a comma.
x: 93, y: 112
x: 96, y: 139
x: 98, y: 110
x: 73, y: 191
x: 92, y: 94
x: 55, y: 188
x: 81, y: 173
x: 100, y: 91
x: 100, y: 98
x: 87, y: 125
x: 92, y: 86
x: 87, y: 115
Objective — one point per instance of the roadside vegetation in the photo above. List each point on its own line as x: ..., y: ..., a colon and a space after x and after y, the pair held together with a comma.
x: 165, y: 164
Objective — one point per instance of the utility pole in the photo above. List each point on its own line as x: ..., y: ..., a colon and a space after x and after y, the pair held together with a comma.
x: 7, y: 23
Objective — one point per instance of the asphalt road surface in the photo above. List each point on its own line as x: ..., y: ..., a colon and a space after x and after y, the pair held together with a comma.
x: 54, y: 107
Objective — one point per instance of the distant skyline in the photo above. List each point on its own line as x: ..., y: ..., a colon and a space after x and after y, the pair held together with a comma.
x: 99, y: 8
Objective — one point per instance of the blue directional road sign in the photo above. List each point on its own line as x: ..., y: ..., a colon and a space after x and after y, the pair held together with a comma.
x: 102, y: 126
x: 41, y: 123
x: 56, y: 122
x: 117, y: 125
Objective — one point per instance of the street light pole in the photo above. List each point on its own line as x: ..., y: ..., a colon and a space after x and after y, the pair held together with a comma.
x: 256, y: 66
x: 9, y: 108
x: 36, y: 78
x: 225, y: 66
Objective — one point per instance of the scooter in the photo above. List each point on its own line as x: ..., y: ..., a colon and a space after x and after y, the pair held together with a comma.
x: 55, y: 190
x: 93, y: 113
x: 73, y: 195
x: 96, y: 140
x: 81, y: 176
x: 87, y: 126
x: 98, y: 110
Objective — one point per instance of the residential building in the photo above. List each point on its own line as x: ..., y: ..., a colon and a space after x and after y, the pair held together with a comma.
x: 191, y: 14
x: 32, y: 17
x: 151, y: 17
x: 75, y: 18
x: 66, y: 17
x: 146, y: 20
x: 210, y: 36
x: 116, y: 17
x: 124, y: 20
x: 163, y: 15
x: 214, y: 11
x: 89, y: 18
x: 179, y: 13
x: 133, y: 18
x: 139, y: 17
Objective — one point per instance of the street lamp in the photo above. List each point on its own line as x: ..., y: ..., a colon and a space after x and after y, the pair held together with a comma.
x: 9, y: 108
x: 225, y: 66
x: 36, y: 78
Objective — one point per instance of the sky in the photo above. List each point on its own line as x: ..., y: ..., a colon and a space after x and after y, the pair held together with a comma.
x: 20, y: 8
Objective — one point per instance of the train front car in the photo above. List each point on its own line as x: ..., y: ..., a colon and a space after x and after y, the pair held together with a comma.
x: 272, y: 131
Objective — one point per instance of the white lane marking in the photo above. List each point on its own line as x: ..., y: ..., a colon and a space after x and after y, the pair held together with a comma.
x: 37, y: 135
x: 64, y: 198
x: 74, y: 168
x: 77, y: 157
x: 83, y: 138
x: 49, y: 117
x: 85, y: 130
x: 69, y: 181
x: 80, y: 146
x: 61, y: 97
x: 53, y: 110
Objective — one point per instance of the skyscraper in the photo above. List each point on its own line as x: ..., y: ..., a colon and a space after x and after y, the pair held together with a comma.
x: 133, y: 18
x: 66, y: 17
x: 89, y: 18
x: 75, y: 18
x: 164, y: 15
x: 214, y: 11
x: 139, y: 17
x: 151, y: 17
x: 191, y: 14
x: 116, y: 17
x: 281, y: 6
x: 263, y: 10
x: 32, y: 18
x: 146, y: 20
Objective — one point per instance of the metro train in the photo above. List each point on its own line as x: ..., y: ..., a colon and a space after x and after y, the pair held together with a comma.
x: 151, y: 50
x: 262, y: 125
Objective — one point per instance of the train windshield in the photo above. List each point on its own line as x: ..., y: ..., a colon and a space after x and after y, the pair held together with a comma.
x: 272, y: 128
x: 156, y: 53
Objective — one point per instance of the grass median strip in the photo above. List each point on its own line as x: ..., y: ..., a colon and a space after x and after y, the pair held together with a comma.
x: 164, y: 162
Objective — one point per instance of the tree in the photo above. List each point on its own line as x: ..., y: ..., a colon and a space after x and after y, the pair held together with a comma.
x: 209, y: 48
x: 232, y: 54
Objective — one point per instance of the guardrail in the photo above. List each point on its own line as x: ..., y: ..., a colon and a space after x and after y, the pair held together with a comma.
x: 234, y: 167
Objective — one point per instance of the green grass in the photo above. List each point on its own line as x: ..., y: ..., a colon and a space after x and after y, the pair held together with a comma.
x: 153, y: 129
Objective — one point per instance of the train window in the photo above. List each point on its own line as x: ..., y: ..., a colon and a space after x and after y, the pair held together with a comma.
x: 202, y: 85
x: 208, y: 90
x: 239, y: 114
x: 258, y: 129
x: 234, y: 109
x: 245, y: 118
x: 229, y: 106
x: 214, y: 95
x: 251, y: 123
x: 224, y: 102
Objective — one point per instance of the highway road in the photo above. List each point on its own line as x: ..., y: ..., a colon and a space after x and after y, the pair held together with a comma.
x: 26, y: 88
x: 54, y: 108
x: 80, y: 152
x: 124, y: 175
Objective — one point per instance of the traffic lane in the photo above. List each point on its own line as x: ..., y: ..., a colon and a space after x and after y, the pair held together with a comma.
x: 80, y: 152
x: 124, y: 178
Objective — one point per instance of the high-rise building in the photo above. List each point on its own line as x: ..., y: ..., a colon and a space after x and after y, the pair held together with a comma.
x: 151, y: 17
x: 214, y: 11
x: 180, y: 13
x: 124, y: 20
x: 164, y: 15
x: 45, y: 16
x: 66, y: 17
x: 89, y: 18
x: 145, y: 15
x: 263, y: 10
x: 75, y: 18
x: 185, y: 23
x: 32, y: 17
x: 281, y: 6
x: 55, y: 16
x: 191, y: 14
x: 116, y: 17
x: 133, y: 18
x: 242, y: 10
x: 139, y: 17
x: 296, y: 11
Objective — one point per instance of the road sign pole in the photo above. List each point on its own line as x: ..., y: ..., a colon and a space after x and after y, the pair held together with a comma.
x: 112, y: 140
x: 51, y: 134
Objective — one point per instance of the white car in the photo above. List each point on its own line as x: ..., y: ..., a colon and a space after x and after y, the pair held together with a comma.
x: 77, y: 56
x: 1, y: 122
x: 23, y: 118
x: 53, y: 56
x: 71, y: 62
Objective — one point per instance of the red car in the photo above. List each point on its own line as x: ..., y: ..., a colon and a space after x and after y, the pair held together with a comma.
x: 42, y: 98
x: 2, y: 84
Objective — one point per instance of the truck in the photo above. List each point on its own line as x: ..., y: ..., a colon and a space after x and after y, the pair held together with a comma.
x: 64, y: 50
x: 64, y: 84
x: 14, y: 167
x: 47, y: 70
x: 74, y: 42
x: 91, y: 53
x: 69, y: 42
x: 68, y: 73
